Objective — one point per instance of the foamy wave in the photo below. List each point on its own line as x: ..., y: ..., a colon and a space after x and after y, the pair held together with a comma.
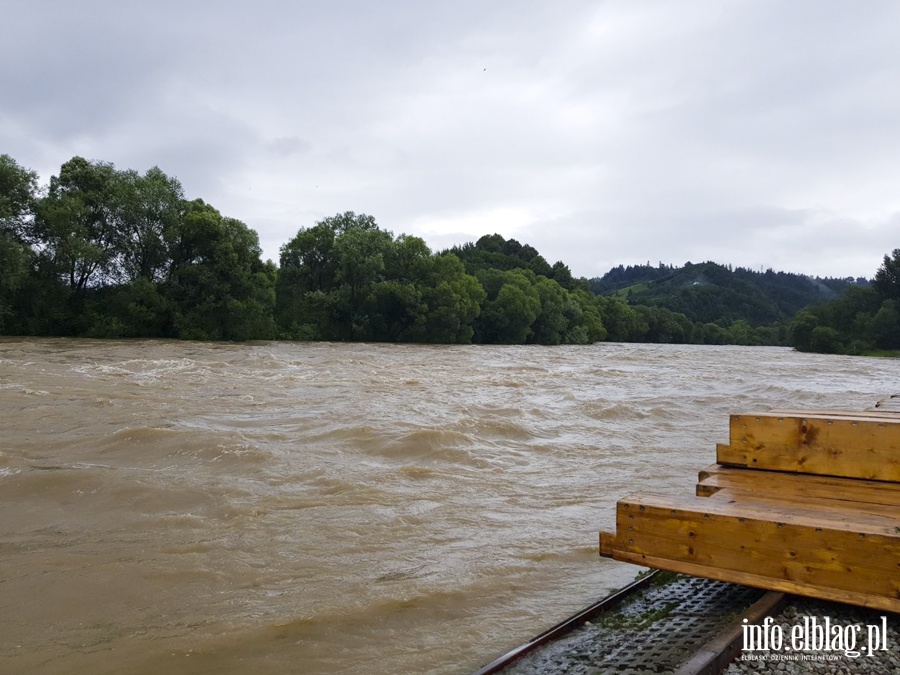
x: 143, y: 370
x: 153, y: 445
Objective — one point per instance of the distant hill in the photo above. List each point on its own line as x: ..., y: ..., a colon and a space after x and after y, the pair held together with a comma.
x: 712, y: 293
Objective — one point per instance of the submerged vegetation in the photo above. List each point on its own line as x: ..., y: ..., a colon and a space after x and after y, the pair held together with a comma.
x: 103, y: 252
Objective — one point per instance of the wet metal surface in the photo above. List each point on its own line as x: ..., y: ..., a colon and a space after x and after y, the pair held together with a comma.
x: 654, y: 632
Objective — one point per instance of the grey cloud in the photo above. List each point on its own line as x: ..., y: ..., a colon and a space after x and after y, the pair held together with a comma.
x: 288, y: 146
x: 756, y: 133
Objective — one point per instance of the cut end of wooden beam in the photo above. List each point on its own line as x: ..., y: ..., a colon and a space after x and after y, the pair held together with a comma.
x: 607, y: 539
x: 704, y: 490
x: 729, y: 455
x: 708, y: 471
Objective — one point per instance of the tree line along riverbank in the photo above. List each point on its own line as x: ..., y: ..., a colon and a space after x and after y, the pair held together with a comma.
x: 104, y: 252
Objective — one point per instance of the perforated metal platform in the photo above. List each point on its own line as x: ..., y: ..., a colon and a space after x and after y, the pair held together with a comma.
x: 654, y: 632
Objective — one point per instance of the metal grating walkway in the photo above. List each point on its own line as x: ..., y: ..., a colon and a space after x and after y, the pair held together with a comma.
x: 654, y: 632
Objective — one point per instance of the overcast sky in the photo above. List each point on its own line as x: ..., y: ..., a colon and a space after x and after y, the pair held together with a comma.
x: 752, y: 132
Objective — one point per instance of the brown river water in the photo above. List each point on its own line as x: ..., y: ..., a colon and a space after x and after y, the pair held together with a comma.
x: 344, y: 508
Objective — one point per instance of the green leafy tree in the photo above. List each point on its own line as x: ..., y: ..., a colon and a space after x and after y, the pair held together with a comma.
x: 408, y: 259
x: 347, y: 221
x: 740, y: 332
x: 306, y: 260
x: 885, y: 326
x: 712, y: 334
x: 887, y: 278
x: 395, y: 306
x: 147, y: 213
x: 18, y: 196
x: 585, y: 321
x: 453, y: 300
x: 346, y: 279
x: 550, y: 325
x: 327, y: 277
x: 360, y: 258
x: 511, y: 307
x: 395, y: 312
x: 492, y: 251
x: 134, y: 309
x: 851, y: 317
x: 843, y: 313
x: 622, y: 322
x: 74, y: 228
x: 219, y: 289
x: 825, y: 340
x: 665, y: 326
x: 561, y: 274
x: 800, y: 330
x: 307, y: 273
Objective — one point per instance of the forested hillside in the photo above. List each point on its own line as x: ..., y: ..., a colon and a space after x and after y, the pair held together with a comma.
x: 712, y: 293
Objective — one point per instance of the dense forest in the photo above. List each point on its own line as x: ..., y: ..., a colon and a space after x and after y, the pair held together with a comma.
x: 108, y: 253
x: 863, y: 320
x: 103, y: 252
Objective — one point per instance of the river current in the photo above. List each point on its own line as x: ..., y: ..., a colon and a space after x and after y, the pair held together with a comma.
x: 344, y: 508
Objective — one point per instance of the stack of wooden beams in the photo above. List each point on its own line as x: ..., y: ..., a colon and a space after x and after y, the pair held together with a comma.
x: 799, y: 502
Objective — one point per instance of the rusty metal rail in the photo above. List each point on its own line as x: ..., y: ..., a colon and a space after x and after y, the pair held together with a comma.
x: 660, y: 623
x: 565, y: 627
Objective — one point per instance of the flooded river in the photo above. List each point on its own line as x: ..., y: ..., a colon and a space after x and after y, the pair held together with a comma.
x: 344, y: 508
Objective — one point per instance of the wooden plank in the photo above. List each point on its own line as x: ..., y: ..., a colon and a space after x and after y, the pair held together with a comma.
x: 638, y: 504
x: 800, y: 501
x: 763, y: 539
x: 890, y: 404
x: 871, y: 413
x: 732, y: 455
x: 832, y: 510
x: 837, y: 482
x: 833, y: 445
x: 798, y: 486
x: 758, y: 581
x: 803, y: 550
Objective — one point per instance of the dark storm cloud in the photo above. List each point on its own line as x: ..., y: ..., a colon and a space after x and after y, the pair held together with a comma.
x: 755, y: 133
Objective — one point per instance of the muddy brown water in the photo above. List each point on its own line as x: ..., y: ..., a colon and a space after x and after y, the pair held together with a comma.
x: 344, y: 508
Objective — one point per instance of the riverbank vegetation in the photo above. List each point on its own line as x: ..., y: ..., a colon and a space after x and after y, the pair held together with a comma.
x: 103, y: 252
x: 864, y: 320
